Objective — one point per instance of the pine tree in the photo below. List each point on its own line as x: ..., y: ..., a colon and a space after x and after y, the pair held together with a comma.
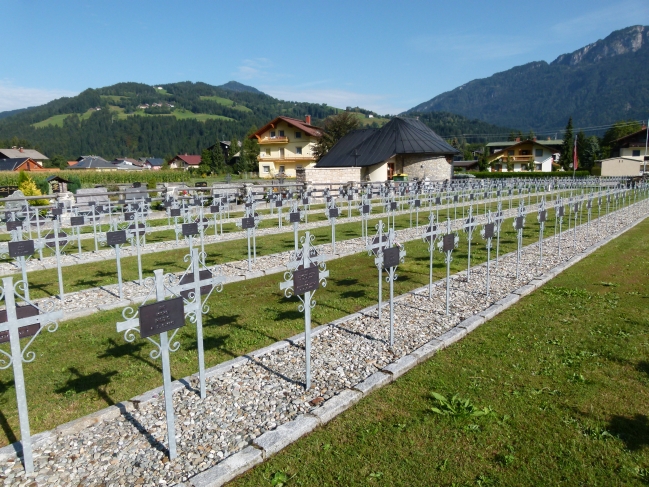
x: 218, y: 159
x: 249, y: 152
x: 234, y: 149
x: 566, y: 148
x: 206, y: 161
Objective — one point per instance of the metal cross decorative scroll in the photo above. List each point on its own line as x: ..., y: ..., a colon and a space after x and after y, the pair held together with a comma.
x: 249, y: 223
x: 542, y: 218
x: 295, y: 216
x: 487, y: 233
x: 17, y: 322
x: 20, y: 250
x: 304, y: 276
x: 519, y: 224
x: 447, y: 244
x: 376, y: 248
x: 157, y: 318
x: 57, y: 240
x: 469, y: 226
x: 332, y: 212
x: 195, y: 286
x: 389, y: 258
x: 431, y: 233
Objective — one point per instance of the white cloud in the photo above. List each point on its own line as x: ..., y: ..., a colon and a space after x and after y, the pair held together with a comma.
x: 609, y: 18
x: 381, y: 104
x: 13, y: 97
x: 254, y: 68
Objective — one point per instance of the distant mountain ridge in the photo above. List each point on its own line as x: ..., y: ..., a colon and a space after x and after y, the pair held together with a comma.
x: 600, y: 83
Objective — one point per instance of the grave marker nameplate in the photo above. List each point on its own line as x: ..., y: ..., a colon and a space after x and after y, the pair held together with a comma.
x: 393, y: 206
x: 391, y: 257
x: 519, y: 223
x: 49, y: 239
x: 14, y: 225
x: 21, y: 248
x: 448, y: 242
x: 489, y: 231
x: 77, y: 221
x: 417, y: 203
x: 215, y: 209
x: 543, y: 215
x: 161, y: 316
x: 130, y: 216
x: 203, y: 275
x: 26, y: 311
x: 189, y: 229
x: 306, y: 279
x: 294, y: 217
x: 247, y: 223
x: 57, y: 211
x: 174, y: 212
x: 333, y: 212
x: 116, y: 238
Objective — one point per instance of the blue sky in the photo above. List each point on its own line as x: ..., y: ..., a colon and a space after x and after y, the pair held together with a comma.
x: 383, y: 55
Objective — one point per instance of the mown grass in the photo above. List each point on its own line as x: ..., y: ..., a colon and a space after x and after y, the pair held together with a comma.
x: 564, y: 376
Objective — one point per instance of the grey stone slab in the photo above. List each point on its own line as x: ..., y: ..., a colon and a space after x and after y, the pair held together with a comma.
x: 80, y: 313
x: 275, y: 270
x: 117, y: 304
x: 491, y: 311
x: 374, y: 381
x: 336, y: 405
x: 270, y: 348
x: 235, y: 279
x: 452, y: 336
x: 537, y: 283
x: 274, y: 441
x: 508, y: 300
x: 472, y: 323
x: 254, y: 274
x: 228, y: 469
x: 224, y: 367
x: 427, y: 350
x: 524, y: 290
x: 401, y: 366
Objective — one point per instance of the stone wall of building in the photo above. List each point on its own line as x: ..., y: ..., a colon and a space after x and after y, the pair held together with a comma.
x: 334, y: 175
x: 418, y: 166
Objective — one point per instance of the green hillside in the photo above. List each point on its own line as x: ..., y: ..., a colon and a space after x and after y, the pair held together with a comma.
x: 596, y: 85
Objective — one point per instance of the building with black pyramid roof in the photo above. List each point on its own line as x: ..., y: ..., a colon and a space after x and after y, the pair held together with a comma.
x: 401, y: 146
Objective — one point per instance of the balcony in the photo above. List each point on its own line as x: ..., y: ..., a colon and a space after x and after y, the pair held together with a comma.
x: 285, y: 158
x: 272, y: 140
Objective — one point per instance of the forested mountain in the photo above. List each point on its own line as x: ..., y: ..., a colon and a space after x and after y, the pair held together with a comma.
x: 598, y: 84
x: 135, y: 120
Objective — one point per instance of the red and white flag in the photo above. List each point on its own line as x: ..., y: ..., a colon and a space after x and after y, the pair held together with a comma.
x: 574, y: 156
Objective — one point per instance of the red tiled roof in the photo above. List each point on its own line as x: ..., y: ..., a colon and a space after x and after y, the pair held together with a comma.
x: 192, y: 160
x: 306, y: 128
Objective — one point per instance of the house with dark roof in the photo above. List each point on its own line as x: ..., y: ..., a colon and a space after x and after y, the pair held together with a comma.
x: 285, y: 144
x: 19, y: 152
x: 154, y: 163
x: 185, y: 161
x: 20, y: 164
x: 93, y: 162
x: 524, y: 155
x: 401, y: 146
x: 631, y: 146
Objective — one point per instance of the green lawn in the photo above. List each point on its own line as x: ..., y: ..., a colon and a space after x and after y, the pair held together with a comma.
x: 564, y: 375
x: 57, y: 120
x: 226, y: 102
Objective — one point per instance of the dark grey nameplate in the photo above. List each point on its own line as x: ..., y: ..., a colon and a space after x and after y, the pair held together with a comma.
x: 366, y: 209
x: 543, y: 215
x: 23, y: 248
x: 456, y: 198
x: 247, y: 223
x: 333, y: 212
x: 215, y: 209
x: 100, y: 209
x: 202, y: 276
x: 328, y: 199
x: 92, y: 203
x: 589, y: 205
x: 560, y: 211
x: 391, y: 257
x: 350, y: 197
x: 489, y: 230
x: 417, y: 203
x: 50, y: 241
x: 279, y: 204
x: 190, y: 229
x: 26, y: 311
x: 139, y: 230
x: 57, y: 211
x: 174, y: 212
x: 519, y: 222
x: 77, y: 221
x: 393, y: 206
x: 162, y: 316
x: 129, y: 216
x: 438, y: 201
x: 116, y: 238
x: 485, y: 196
x: 294, y: 217
x: 448, y: 242
x: 305, y: 280
x: 305, y: 201
x: 471, y: 196
x: 248, y: 205
x: 15, y: 225
x: 375, y: 241
x: 575, y: 208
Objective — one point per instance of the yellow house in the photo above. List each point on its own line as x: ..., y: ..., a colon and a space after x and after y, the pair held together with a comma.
x: 526, y: 155
x: 284, y: 144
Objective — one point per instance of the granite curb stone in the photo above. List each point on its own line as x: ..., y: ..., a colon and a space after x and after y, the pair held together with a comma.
x: 336, y: 405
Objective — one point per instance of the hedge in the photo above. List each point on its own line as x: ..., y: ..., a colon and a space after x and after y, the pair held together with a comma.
x: 530, y: 174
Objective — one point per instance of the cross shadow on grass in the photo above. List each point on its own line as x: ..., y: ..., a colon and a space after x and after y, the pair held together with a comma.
x: 634, y: 432
x: 4, y: 424
x: 79, y: 383
x: 643, y: 366
x: 116, y: 350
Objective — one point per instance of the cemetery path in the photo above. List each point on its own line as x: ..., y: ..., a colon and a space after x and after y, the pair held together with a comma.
x: 256, y: 394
